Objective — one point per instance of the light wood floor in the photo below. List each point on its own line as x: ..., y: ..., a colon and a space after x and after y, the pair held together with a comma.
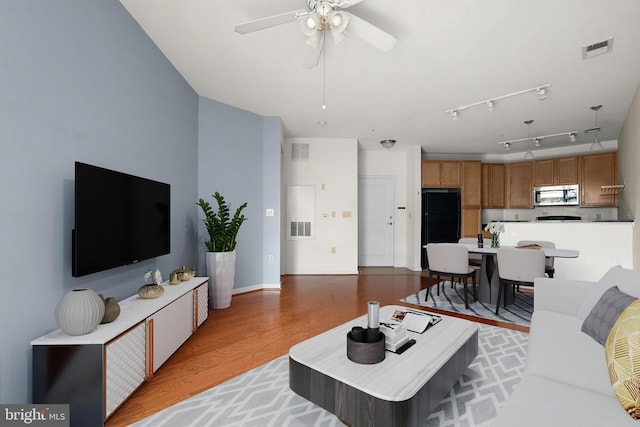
x: 261, y: 326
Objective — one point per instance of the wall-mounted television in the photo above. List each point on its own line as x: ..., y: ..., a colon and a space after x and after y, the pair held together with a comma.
x: 120, y: 219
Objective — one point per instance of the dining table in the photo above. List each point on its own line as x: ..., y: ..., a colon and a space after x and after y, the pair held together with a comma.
x: 489, y: 283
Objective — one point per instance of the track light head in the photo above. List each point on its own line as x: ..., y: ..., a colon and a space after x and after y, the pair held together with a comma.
x: 572, y: 137
x: 454, y: 114
x: 542, y: 93
x: 490, y: 106
x: 507, y: 146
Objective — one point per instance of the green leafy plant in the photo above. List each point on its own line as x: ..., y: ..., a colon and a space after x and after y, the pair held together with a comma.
x: 221, y: 226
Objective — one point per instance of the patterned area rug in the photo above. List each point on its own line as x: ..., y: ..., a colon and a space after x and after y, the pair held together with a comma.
x: 262, y: 397
x: 453, y: 300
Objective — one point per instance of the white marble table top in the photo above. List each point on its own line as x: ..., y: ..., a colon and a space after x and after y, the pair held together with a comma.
x: 550, y: 252
x: 399, y: 376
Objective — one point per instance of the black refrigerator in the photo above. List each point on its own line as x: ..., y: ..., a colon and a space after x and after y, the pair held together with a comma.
x: 440, y: 218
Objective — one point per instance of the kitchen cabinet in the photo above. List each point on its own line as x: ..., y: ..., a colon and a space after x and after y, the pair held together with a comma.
x: 560, y: 171
x: 441, y: 173
x: 519, y: 189
x: 597, y: 170
x: 471, y: 222
x: 471, y: 184
x: 493, y: 185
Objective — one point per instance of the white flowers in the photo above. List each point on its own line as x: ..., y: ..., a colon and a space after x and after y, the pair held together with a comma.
x: 147, y: 276
x: 495, y: 227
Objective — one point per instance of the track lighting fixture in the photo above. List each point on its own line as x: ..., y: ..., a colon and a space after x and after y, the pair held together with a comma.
x: 540, y: 90
x: 542, y: 93
x: 507, y: 146
x: 490, y: 106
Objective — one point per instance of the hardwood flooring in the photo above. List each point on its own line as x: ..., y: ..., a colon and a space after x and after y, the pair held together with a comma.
x: 261, y: 326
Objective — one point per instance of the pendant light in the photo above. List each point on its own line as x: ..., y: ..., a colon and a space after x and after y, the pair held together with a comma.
x: 595, y: 145
x: 529, y: 154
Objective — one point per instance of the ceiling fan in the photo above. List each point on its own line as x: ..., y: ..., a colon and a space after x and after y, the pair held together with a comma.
x: 322, y: 16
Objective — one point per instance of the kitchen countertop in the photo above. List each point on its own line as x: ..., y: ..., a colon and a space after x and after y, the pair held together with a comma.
x: 556, y: 221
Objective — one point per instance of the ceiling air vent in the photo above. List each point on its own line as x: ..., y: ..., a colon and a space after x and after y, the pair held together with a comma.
x: 598, y: 48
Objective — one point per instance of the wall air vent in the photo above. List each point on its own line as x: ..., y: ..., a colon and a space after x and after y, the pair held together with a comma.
x: 299, y: 152
x: 598, y: 48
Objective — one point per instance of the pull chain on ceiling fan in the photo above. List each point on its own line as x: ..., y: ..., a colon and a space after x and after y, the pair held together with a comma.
x: 320, y: 17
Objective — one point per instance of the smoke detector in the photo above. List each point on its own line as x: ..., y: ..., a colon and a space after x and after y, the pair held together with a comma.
x: 597, y: 48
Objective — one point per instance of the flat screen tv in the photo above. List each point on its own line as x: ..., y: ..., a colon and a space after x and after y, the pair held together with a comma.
x: 120, y: 219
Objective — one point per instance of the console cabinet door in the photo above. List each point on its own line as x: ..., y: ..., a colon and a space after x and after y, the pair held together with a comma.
x: 169, y: 328
x: 201, y: 304
x: 125, y: 366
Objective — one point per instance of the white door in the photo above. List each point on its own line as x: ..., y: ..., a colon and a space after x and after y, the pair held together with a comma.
x: 376, y: 200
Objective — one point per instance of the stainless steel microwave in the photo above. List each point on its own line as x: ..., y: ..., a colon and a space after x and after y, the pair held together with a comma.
x: 557, y: 195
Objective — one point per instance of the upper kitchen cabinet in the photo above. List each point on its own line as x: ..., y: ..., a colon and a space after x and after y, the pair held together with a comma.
x: 493, y: 185
x: 471, y: 184
x: 519, y: 189
x: 441, y: 173
x: 597, y: 170
x: 561, y: 171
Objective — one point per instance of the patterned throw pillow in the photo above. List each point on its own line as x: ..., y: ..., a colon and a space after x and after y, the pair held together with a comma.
x: 622, y: 351
x: 604, y: 314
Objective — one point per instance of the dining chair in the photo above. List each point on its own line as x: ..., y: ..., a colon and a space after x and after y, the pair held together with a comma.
x: 548, y: 267
x: 452, y: 260
x: 518, y: 267
x: 474, y: 259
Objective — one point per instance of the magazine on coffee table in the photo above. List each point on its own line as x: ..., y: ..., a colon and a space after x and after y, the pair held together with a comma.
x: 413, y: 320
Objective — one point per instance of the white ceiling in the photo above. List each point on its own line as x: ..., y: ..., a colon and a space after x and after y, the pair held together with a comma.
x: 449, y: 53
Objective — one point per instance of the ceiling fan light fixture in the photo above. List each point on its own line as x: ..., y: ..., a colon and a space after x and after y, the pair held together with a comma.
x: 311, y: 24
x: 388, y: 143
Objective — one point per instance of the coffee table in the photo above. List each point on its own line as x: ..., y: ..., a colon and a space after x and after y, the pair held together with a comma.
x: 402, y: 390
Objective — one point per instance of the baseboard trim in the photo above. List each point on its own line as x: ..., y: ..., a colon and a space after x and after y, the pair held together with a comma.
x: 267, y: 286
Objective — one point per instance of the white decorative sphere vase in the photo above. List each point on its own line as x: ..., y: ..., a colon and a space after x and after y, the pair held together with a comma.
x: 79, y: 311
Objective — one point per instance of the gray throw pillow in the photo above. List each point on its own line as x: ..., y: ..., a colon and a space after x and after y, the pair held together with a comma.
x: 604, y: 314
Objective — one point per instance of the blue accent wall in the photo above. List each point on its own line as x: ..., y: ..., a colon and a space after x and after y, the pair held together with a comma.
x: 81, y: 81
x: 239, y: 157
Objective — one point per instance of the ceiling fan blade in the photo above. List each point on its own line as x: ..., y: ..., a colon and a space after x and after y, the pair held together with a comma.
x: 312, y: 54
x: 343, y: 4
x: 370, y: 33
x: 270, y: 21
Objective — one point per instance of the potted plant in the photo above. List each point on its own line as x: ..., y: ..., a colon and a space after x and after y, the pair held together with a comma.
x: 222, y: 229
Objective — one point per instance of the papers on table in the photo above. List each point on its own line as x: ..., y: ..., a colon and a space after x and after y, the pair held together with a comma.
x: 414, y: 321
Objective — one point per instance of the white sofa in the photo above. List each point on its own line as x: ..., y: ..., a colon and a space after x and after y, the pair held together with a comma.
x: 566, y: 382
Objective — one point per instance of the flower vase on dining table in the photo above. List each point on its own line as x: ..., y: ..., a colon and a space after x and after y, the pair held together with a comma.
x: 495, y: 240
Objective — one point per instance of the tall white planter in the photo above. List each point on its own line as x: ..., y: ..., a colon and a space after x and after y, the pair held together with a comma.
x: 221, y: 269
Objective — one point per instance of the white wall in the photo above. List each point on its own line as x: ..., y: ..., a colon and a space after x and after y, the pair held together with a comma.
x: 602, y: 245
x: 628, y: 159
x: 332, y: 170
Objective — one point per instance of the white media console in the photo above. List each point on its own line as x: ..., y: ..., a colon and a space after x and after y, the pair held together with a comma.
x: 95, y: 373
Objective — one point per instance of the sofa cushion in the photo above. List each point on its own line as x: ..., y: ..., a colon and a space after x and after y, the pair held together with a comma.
x: 538, y: 401
x: 627, y: 280
x: 622, y: 351
x: 604, y: 314
x: 558, y: 350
